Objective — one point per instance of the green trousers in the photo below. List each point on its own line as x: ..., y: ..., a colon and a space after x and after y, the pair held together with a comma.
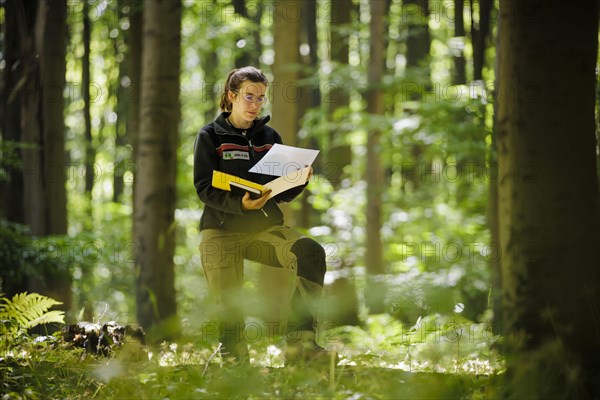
x: 222, y: 256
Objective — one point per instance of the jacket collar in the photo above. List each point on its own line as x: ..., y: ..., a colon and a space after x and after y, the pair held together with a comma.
x: 223, y: 128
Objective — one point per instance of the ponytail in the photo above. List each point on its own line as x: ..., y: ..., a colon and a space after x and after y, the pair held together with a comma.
x: 234, y: 81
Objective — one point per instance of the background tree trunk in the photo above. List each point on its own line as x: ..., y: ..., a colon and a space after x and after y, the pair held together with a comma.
x: 154, y: 206
x: 548, y: 197
x: 459, y: 76
x: 211, y: 83
x: 90, y: 152
x: 44, y: 164
x: 375, y: 295
x: 418, y: 42
x: 11, y: 191
x: 479, y: 36
x: 340, y: 153
x: 312, y: 97
x: 492, y: 207
x: 121, y: 154
x: 136, y: 10
x: 42, y: 121
x: 285, y: 91
x: 250, y: 54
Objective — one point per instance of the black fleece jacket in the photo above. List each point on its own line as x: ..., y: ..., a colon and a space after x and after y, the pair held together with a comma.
x: 220, y: 146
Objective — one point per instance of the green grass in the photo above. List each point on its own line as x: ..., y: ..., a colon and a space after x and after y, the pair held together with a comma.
x: 381, y: 360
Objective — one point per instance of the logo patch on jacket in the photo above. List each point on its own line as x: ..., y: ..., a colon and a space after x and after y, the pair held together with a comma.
x: 236, y: 155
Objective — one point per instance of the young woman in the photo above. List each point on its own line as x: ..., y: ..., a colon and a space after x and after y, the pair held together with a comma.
x: 236, y: 226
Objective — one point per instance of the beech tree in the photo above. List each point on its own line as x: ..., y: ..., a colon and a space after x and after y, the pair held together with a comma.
x: 548, y: 197
x: 42, y: 36
x: 154, y: 202
x: 374, y: 295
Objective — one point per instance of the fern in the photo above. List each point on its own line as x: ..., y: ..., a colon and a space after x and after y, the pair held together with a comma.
x: 30, y: 310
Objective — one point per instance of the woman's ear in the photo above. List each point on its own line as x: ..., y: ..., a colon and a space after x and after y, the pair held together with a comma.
x: 230, y: 96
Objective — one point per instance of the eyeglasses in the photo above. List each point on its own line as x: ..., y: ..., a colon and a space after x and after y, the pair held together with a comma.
x: 253, y: 99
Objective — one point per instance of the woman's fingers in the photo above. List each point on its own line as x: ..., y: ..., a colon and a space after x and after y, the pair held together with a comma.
x: 248, y: 203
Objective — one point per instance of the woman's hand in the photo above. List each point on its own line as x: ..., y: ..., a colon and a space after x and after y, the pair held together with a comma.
x: 310, y: 174
x: 248, y: 203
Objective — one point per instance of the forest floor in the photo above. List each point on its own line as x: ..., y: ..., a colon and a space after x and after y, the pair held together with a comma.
x: 373, y: 364
x: 115, y: 379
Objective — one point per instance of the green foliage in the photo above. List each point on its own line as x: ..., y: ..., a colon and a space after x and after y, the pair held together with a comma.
x: 9, y: 157
x: 24, y: 258
x: 435, y: 358
x: 29, y: 310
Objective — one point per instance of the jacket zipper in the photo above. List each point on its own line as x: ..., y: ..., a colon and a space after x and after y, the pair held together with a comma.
x: 251, y: 150
x: 251, y: 153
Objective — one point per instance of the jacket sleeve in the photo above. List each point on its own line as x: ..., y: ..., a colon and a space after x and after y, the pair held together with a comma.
x: 206, y: 161
x: 292, y: 193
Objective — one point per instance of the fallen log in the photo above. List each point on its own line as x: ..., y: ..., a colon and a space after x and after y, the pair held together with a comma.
x: 101, y: 339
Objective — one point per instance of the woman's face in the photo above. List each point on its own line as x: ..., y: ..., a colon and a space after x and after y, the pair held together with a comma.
x: 247, y: 102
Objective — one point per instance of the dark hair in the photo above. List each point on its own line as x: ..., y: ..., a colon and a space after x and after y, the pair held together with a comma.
x: 236, y: 78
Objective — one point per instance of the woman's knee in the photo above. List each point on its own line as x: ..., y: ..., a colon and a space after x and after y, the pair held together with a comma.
x: 311, y: 259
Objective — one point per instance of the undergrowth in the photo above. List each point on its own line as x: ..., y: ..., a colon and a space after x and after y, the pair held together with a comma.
x: 436, y: 358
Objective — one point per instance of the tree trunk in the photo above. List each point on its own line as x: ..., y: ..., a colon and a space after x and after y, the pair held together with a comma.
x: 548, y: 197
x: 121, y: 109
x: 375, y: 295
x: 44, y: 164
x: 418, y: 42
x: 492, y: 209
x: 341, y: 300
x: 312, y: 99
x: 285, y: 89
x: 211, y: 82
x: 253, y: 49
x: 11, y: 190
x: 479, y: 36
x: 340, y: 153
x: 154, y: 206
x: 459, y: 77
x: 136, y: 14
x: 90, y: 151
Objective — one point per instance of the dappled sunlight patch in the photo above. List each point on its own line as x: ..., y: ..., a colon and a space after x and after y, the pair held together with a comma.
x: 436, y: 343
x: 174, y: 354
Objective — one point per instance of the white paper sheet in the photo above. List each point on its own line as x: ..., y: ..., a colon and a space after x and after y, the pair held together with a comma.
x: 289, y: 181
x: 281, y: 160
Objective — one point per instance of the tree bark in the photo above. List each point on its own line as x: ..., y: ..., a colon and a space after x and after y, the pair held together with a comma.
x: 154, y: 206
x: 251, y: 52
x: 459, y: 76
x: 312, y: 99
x: 121, y: 108
x: 44, y: 164
x: 136, y: 14
x: 375, y: 295
x: 418, y: 42
x: 479, y: 36
x: 11, y: 190
x: 285, y: 90
x: 492, y: 209
x: 90, y: 151
x: 548, y: 197
x: 340, y: 153
x: 42, y: 122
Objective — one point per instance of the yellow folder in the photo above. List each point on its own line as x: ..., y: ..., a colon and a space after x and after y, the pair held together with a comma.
x: 224, y: 181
